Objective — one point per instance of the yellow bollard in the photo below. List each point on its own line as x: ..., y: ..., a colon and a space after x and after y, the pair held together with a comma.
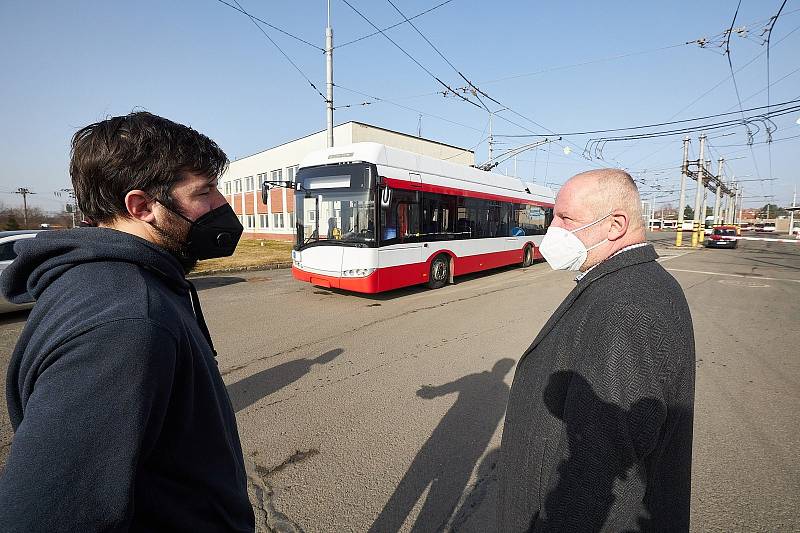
x: 679, y: 237
x: 694, y: 234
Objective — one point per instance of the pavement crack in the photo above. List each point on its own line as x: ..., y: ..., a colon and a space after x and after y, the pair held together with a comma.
x: 273, y: 520
x: 367, y: 325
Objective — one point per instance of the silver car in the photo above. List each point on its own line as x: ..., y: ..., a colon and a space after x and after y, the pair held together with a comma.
x: 7, y: 255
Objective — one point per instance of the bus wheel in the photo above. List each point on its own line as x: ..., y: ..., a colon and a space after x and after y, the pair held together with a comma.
x: 527, y: 256
x: 440, y: 272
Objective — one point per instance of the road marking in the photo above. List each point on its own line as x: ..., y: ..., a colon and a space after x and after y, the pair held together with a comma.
x: 766, y: 239
x: 667, y: 258
x: 758, y: 278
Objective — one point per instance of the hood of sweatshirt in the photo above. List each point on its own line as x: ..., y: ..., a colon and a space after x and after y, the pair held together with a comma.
x: 42, y: 259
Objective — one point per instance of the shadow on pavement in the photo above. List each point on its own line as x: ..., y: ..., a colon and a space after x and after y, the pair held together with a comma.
x: 446, y: 460
x: 213, y: 282
x: 251, y: 389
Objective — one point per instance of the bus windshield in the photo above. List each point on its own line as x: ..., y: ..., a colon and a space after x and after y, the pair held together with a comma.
x: 335, y: 204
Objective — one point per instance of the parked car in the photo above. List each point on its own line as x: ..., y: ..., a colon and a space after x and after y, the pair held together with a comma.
x: 769, y: 227
x: 7, y: 256
x: 746, y: 226
x: 722, y: 237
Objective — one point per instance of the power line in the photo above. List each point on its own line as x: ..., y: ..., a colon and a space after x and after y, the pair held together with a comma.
x: 240, y: 10
x: 289, y: 59
x: 769, y: 36
x: 394, y: 25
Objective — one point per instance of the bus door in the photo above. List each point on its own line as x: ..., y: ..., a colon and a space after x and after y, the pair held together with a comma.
x: 400, y: 243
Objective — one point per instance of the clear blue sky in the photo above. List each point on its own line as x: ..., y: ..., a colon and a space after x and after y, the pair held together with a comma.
x: 66, y: 64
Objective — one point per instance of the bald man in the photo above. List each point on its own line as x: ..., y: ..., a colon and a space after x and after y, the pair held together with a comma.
x: 598, y: 430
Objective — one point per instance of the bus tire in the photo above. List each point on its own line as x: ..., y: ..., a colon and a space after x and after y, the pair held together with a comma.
x: 527, y: 256
x: 440, y: 271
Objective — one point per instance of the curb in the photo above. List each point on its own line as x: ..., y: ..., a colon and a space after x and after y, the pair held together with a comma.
x: 233, y: 270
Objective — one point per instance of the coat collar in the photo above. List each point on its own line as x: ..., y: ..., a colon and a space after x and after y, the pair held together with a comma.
x: 622, y: 260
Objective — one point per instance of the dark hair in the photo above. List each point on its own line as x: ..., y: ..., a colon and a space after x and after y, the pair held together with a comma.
x: 137, y: 151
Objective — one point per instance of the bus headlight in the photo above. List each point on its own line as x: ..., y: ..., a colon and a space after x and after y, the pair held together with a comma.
x: 357, y: 272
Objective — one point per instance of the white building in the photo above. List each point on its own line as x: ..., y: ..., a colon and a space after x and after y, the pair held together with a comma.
x: 241, y: 184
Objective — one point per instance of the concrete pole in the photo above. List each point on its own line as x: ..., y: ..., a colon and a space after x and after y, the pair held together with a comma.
x: 329, y: 75
x: 698, y: 198
x: 717, y: 196
x: 740, y: 196
x: 684, y: 172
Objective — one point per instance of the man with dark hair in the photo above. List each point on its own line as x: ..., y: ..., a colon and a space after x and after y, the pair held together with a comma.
x: 598, y: 430
x: 121, y: 418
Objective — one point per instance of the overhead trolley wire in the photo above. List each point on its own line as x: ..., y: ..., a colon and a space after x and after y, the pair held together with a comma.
x: 289, y: 59
x: 264, y: 22
x: 412, y: 58
x: 437, y: 6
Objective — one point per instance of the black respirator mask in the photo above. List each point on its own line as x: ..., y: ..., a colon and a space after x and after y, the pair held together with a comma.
x: 214, y: 234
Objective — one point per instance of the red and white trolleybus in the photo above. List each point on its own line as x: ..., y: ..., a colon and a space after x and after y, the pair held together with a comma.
x: 372, y: 218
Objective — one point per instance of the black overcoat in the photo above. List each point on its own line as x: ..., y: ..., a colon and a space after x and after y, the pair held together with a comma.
x: 598, y: 431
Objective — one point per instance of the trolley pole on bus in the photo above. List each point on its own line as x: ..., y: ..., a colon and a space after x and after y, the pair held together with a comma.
x: 684, y: 173
x: 329, y: 75
x: 698, y: 197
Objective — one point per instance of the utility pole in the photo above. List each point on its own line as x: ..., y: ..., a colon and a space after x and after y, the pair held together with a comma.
x: 74, y: 209
x: 698, y: 198
x: 717, y: 196
x: 740, y: 197
x: 791, y: 213
x: 329, y: 75
x: 491, y: 138
x: 684, y: 172
x: 24, y: 192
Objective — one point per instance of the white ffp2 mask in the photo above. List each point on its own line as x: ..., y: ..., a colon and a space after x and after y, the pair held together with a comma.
x: 563, y: 250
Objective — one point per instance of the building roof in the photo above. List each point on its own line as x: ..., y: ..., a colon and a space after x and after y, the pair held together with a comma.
x: 360, y: 124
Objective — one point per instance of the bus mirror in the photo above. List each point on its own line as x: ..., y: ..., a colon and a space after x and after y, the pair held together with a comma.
x: 265, y: 192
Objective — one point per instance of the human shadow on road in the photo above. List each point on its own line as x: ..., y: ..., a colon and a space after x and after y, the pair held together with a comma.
x: 212, y: 282
x: 485, y: 484
x: 447, y: 459
x: 593, y: 427
x: 251, y: 389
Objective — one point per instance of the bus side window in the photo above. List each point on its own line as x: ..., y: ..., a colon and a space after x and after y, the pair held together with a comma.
x: 399, y: 219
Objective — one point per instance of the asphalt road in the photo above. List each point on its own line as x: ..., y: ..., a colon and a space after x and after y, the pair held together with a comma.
x: 358, y: 411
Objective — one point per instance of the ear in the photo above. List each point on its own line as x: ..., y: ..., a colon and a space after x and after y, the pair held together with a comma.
x: 140, y: 206
x: 619, y: 225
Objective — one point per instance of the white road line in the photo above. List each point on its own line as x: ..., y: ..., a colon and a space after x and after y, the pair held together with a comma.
x: 667, y: 258
x: 731, y: 275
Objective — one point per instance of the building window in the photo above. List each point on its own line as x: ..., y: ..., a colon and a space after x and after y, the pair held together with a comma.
x: 262, y: 178
x: 251, y: 221
x: 237, y: 185
x: 291, y: 172
x: 291, y: 220
x: 311, y: 216
x: 264, y: 220
x: 227, y: 187
x: 276, y: 175
x: 248, y: 183
x: 277, y: 219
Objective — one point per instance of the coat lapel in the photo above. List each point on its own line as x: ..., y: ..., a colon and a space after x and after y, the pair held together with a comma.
x: 628, y: 258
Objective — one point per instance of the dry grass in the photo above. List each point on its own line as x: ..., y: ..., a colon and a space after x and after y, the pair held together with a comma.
x: 250, y: 254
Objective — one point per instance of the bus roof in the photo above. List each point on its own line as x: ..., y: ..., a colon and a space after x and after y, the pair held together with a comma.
x: 433, y: 171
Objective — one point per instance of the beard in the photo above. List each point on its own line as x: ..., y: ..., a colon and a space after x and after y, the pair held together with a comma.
x: 172, y: 237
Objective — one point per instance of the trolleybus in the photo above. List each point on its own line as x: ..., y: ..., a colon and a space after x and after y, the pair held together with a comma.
x: 372, y: 218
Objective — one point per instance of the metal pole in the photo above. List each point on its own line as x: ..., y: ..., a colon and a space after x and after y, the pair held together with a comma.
x: 329, y: 75
x: 698, y: 198
x: 491, y: 139
x: 791, y: 213
x: 684, y: 172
